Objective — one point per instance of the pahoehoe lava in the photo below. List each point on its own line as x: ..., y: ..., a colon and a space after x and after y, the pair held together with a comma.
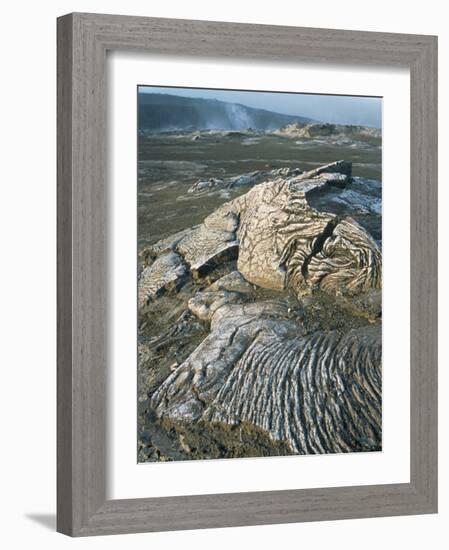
x: 273, y: 318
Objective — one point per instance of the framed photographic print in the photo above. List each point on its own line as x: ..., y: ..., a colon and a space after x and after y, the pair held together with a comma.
x: 246, y: 274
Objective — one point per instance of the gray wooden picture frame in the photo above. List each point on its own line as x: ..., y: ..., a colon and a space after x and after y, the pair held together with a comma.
x: 83, y: 40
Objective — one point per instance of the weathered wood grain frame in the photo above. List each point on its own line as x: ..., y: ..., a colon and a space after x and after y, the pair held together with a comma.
x: 83, y: 40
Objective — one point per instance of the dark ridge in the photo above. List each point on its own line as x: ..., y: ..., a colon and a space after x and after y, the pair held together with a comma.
x: 165, y: 112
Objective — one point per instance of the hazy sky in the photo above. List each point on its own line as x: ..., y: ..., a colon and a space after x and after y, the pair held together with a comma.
x: 339, y: 109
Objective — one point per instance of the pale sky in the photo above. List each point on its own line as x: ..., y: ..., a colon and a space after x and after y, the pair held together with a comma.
x: 338, y: 109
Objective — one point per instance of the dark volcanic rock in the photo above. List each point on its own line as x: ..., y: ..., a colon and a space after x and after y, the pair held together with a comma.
x: 280, y: 293
x: 206, y: 185
x: 321, y: 392
x: 291, y: 232
x: 213, y: 185
x: 285, y: 243
x: 167, y: 271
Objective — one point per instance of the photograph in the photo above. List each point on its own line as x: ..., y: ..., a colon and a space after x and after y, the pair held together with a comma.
x: 232, y: 223
x: 259, y: 274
